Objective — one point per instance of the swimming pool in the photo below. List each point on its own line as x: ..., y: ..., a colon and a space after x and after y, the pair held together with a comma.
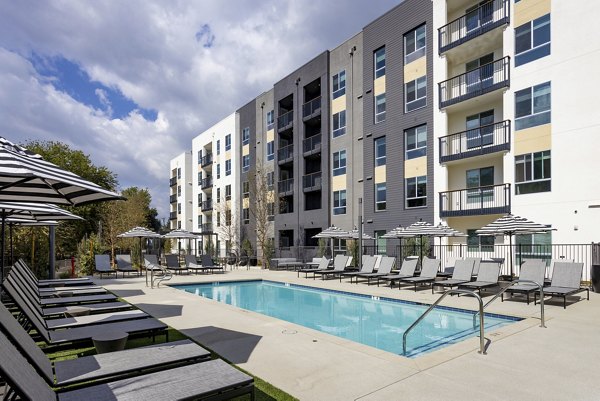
x: 374, y: 321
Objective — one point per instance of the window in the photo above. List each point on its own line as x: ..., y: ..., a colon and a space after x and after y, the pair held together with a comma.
x: 179, y: 208
x: 339, y: 163
x: 227, y: 142
x: 270, y: 120
x: 200, y: 178
x: 178, y: 190
x: 480, y: 129
x: 246, y: 215
x: 379, y: 62
x: 339, y: 124
x: 179, y: 172
x: 415, y: 44
x: 218, y: 195
x: 533, y: 172
x: 534, y: 246
x: 228, y: 167
x: 416, y: 94
x: 339, y: 202
x: 479, y: 243
x: 381, y: 242
x: 480, y: 185
x: 480, y: 73
x: 246, y: 136
x: 218, y: 219
x: 270, y: 179
x: 246, y: 189
x: 199, y: 156
x: 339, y: 84
x: 271, y: 211
x: 416, y: 142
x: 218, y: 170
x: 245, y: 163
x: 479, y: 15
x: 416, y: 192
x: 227, y: 217
x: 270, y: 150
x: 199, y: 221
x: 532, y: 40
x: 380, y: 196
x: 380, y: 108
x: 218, y: 146
x: 532, y: 106
x: 380, y: 158
x: 179, y: 225
x: 228, y: 192
x: 199, y: 199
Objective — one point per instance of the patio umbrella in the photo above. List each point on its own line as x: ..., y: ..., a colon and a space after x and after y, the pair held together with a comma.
x: 141, y: 233
x: 511, y: 225
x: 418, y: 229
x: 332, y: 233
x: 354, y: 235
x: 180, y: 234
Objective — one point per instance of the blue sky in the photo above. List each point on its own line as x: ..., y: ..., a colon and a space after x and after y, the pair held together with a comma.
x: 132, y: 82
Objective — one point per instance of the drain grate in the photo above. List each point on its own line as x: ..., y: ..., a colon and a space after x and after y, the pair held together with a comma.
x: 289, y: 332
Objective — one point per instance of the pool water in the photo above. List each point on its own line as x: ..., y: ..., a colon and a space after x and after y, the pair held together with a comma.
x: 373, y: 321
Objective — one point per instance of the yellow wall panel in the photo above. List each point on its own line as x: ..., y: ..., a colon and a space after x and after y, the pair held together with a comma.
x: 380, y: 174
x: 379, y: 86
x: 228, y: 155
x: 270, y: 135
x: 338, y: 104
x: 533, y: 139
x: 246, y: 203
x: 246, y: 150
x: 528, y: 10
x: 415, y: 167
x: 415, y: 69
x: 338, y: 182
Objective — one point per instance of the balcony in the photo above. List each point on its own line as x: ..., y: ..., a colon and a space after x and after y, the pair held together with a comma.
x: 207, y: 205
x: 311, y: 109
x: 475, y: 23
x: 492, y: 199
x: 482, y: 140
x: 206, y: 160
x: 286, y: 187
x: 312, y: 145
x: 206, y: 183
x: 285, y: 121
x: 172, y: 181
x: 487, y: 78
x: 206, y: 228
x: 173, y: 198
x: 173, y: 216
x: 311, y: 182
x: 285, y: 154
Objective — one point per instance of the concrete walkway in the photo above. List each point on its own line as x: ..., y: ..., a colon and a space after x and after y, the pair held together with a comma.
x: 523, y: 361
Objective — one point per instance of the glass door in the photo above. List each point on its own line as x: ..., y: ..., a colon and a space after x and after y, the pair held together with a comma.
x: 480, y: 129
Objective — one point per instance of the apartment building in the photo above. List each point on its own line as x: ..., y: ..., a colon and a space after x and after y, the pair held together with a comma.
x: 180, y: 200
x: 216, y: 161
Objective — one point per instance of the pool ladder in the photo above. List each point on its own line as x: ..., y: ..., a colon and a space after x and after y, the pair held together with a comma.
x: 480, y: 312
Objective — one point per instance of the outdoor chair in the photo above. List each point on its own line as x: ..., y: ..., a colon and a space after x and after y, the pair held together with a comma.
x: 428, y: 274
x: 566, y: 280
x: 463, y: 271
x: 124, y: 265
x: 172, y: 262
x: 323, y: 265
x: 191, y: 263
x: 488, y: 275
x: 102, y: 265
x: 45, y: 292
x: 209, y: 265
x: 476, y: 265
x: 532, y: 270
x: 207, y: 380
x: 550, y: 269
x: 407, y: 270
x: 368, y: 265
x: 385, y: 268
x: 339, y: 264
x: 52, y: 282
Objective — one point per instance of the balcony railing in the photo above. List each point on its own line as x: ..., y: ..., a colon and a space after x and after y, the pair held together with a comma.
x: 206, y: 205
x: 285, y: 120
x: 285, y: 154
x: 286, y: 186
x: 311, y: 182
x: 492, y: 199
x: 311, y: 108
x: 206, y: 183
x: 482, y: 140
x: 206, y: 160
x: 172, y: 181
x: 473, y: 24
x: 173, y: 216
x: 482, y: 80
x: 173, y: 198
x: 312, y: 144
x: 206, y: 228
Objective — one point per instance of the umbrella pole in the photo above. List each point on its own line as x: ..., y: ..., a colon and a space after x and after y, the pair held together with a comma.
x: 2, y: 249
x: 510, y: 249
x: 10, y: 233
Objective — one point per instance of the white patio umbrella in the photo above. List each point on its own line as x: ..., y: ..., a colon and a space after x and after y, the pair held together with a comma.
x: 141, y: 233
x: 180, y: 234
x: 354, y: 235
x: 332, y: 233
x: 511, y: 225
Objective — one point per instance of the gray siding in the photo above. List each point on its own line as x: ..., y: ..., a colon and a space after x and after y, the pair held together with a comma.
x: 247, y: 119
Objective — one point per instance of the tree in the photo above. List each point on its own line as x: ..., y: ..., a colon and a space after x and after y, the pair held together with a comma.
x: 228, y: 227
x: 262, y: 209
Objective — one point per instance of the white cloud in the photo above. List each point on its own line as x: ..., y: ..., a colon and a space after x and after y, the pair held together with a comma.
x: 150, y: 52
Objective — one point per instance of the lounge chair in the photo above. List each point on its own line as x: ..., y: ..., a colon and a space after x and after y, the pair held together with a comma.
x: 20, y: 264
x: 428, y: 274
x: 532, y: 270
x: 103, y: 266
x: 339, y: 264
x: 209, y: 265
x: 488, y: 275
x: 57, y: 291
x: 406, y: 270
x: 191, y: 263
x: 368, y: 265
x: 385, y: 268
x: 172, y: 264
x: 323, y: 265
x: 463, y: 271
x: 124, y: 265
x: 207, y: 380
x: 550, y: 269
x: 476, y: 266
x: 566, y: 280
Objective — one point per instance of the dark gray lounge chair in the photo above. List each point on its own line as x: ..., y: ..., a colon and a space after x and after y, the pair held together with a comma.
x: 102, y: 265
x: 368, y: 265
x: 323, y: 265
x: 172, y: 262
x: 532, y: 270
x: 124, y: 265
x: 45, y: 292
x: 214, y: 380
x: 191, y: 263
x: 385, y: 268
x: 406, y: 270
x: 463, y: 271
x: 339, y: 264
x: 566, y: 280
x: 488, y: 275
x: 52, y: 282
x: 94, y: 308
x: 209, y: 265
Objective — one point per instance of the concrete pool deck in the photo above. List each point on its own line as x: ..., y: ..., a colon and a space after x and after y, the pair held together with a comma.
x: 523, y: 361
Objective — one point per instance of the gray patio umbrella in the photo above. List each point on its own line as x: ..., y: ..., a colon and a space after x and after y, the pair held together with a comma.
x: 141, y: 233
x: 419, y: 230
x: 332, y: 233
x: 180, y: 234
x: 511, y: 225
